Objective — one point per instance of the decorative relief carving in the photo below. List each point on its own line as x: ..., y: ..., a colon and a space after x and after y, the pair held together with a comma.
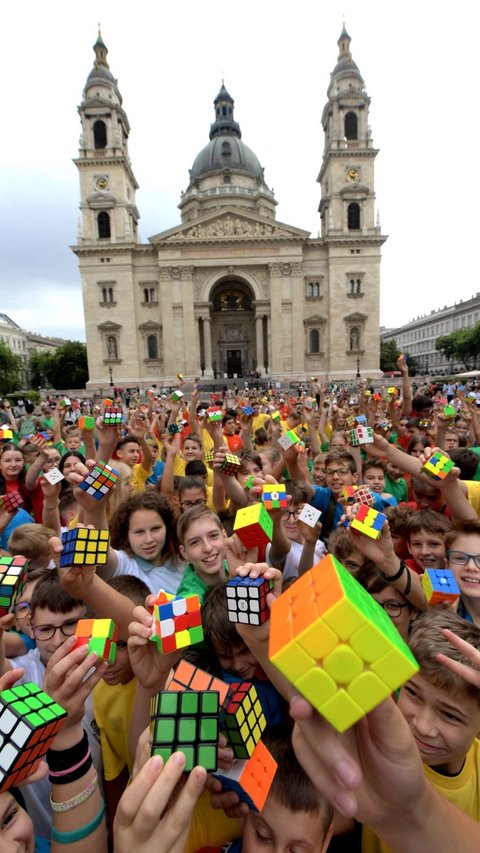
x: 228, y: 227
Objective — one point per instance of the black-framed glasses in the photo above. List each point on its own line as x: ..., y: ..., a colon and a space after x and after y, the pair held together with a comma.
x: 393, y: 608
x: 287, y: 514
x: 46, y: 632
x: 340, y: 471
x: 460, y: 558
x: 191, y: 504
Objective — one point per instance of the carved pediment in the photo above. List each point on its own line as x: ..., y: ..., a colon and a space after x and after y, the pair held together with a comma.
x: 356, y: 317
x: 229, y: 225
x: 109, y: 326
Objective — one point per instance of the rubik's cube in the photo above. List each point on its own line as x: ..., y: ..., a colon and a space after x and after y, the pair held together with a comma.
x: 439, y: 585
x: 276, y: 417
x: 248, y: 484
x: 84, y: 547
x: 187, y: 722
x: 309, y: 515
x: 361, y: 420
x: 288, y: 439
x: 11, y: 501
x: 247, y: 600
x: 29, y: 723
x: 248, y: 411
x: 392, y: 391
x: 449, y: 411
x: 112, y: 415
x: 403, y: 357
x: 364, y: 495
x: 250, y: 778
x: 377, y: 397
x: 349, y: 494
x: 177, y: 622
x: 230, y: 465
x: 360, y: 435
x: 368, y: 521
x: 176, y: 395
x: 350, y: 421
x: 190, y: 677
x: 243, y: 719
x: 337, y: 645
x: 254, y: 527
x: 99, y: 481
x: 13, y: 574
x: 209, y: 457
x: 86, y: 422
x: 384, y: 425
x: 100, y: 635
x: 173, y: 428
x: 6, y: 433
x: 438, y: 466
x: 424, y: 423
x: 470, y: 398
x: 108, y: 402
x: 214, y: 414
x: 274, y: 496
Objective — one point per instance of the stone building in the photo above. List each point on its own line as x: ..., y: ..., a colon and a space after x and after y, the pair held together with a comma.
x: 24, y: 344
x: 230, y: 289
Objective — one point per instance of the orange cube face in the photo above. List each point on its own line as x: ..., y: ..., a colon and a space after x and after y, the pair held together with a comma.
x: 190, y: 677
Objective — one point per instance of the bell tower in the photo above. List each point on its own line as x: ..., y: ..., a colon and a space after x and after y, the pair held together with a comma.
x: 107, y: 184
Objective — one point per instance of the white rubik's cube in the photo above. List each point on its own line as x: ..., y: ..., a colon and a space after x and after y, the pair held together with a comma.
x: 247, y: 600
x: 53, y: 476
x: 309, y: 515
x: 288, y: 439
x: 360, y: 435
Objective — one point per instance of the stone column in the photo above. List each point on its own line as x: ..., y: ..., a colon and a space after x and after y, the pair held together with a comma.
x: 276, y: 361
x: 170, y: 357
x: 207, y: 343
x: 298, y: 335
x: 191, y: 351
x: 259, y: 336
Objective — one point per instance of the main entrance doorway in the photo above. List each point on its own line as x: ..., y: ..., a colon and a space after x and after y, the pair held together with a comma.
x: 234, y: 362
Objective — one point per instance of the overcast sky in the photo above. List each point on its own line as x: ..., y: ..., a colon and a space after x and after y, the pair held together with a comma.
x: 419, y: 62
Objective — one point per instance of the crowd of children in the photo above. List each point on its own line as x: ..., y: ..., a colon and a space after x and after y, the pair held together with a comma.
x: 405, y: 778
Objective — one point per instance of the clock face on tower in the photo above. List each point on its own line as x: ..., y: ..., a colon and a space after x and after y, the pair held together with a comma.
x: 352, y: 175
x: 101, y: 183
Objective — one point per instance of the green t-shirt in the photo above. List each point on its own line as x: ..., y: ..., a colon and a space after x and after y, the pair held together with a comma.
x: 192, y: 584
x: 397, y: 488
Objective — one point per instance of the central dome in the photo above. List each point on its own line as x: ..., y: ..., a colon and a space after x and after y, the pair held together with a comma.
x: 226, y: 151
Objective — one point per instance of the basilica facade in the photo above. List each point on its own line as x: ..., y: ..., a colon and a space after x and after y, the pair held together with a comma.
x: 229, y: 290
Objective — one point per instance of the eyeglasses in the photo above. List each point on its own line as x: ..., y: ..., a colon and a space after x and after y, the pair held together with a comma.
x: 21, y: 610
x: 287, y: 514
x: 393, y: 608
x: 190, y: 504
x: 46, y: 632
x: 460, y: 558
x: 340, y: 471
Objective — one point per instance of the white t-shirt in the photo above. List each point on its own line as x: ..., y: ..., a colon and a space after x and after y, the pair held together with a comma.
x: 167, y: 576
x: 290, y: 566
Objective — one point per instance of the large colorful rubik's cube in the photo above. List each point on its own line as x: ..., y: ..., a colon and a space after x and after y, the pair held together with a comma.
x: 177, y: 622
x: 274, y: 496
x: 188, y: 722
x: 84, y: 547
x: 13, y: 574
x: 230, y: 464
x: 190, y: 677
x: 368, y: 521
x: 243, y: 719
x: 99, y: 480
x: 361, y: 420
x: 248, y: 411
x: 250, y: 778
x: 214, y: 414
x: 247, y: 600
x: 360, y: 435
x: 254, y: 527
x: 100, y: 635
x: 112, y: 415
x: 339, y: 648
x: 438, y: 466
x: 288, y: 439
x: 439, y: 585
x: 86, y: 422
x: 11, y: 501
x: 29, y: 722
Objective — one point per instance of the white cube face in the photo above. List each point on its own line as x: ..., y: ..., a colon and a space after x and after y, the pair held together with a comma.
x: 7, y: 756
x: 179, y: 606
x: 53, y: 476
x: 7, y: 721
x: 243, y: 605
x: 167, y: 628
x: 21, y: 734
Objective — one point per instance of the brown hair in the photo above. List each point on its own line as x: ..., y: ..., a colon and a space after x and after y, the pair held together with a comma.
x: 428, y: 520
x: 341, y: 455
x: 120, y: 521
x: 215, y: 621
x: 192, y: 515
x: 470, y: 527
x: 291, y: 786
x: 31, y: 541
x: 48, y: 593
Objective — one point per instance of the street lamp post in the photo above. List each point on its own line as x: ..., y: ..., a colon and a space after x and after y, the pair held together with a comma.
x: 110, y: 372
x: 426, y: 364
x: 358, y: 368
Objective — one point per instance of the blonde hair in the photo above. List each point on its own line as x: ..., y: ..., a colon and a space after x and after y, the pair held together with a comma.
x: 31, y: 541
x: 427, y: 641
x: 120, y: 493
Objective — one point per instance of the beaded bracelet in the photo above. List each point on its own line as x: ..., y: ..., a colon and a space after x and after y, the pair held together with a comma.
x: 78, y: 800
x: 78, y: 834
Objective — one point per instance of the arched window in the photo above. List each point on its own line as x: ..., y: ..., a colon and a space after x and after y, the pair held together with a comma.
x: 103, y: 225
x: 351, y: 126
x: 314, y: 340
x: 112, y: 348
x: 354, y: 338
x: 226, y: 149
x: 354, y: 216
x: 100, y: 134
x: 152, y: 346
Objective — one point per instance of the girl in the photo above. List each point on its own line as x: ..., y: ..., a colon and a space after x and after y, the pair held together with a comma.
x: 12, y: 471
x: 67, y: 466
x: 144, y: 542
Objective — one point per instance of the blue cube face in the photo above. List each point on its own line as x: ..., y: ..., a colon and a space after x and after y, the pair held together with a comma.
x: 443, y: 580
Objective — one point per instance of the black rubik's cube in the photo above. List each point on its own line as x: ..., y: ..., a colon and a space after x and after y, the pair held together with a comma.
x: 247, y: 600
x: 112, y: 415
x: 230, y: 465
x: 84, y: 547
x: 243, y: 719
x: 187, y: 722
x: 99, y: 481
x: 11, y: 502
x: 173, y: 429
x: 29, y: 723
x: 13, y: 574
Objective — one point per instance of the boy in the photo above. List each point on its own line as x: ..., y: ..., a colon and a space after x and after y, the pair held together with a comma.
x: 462, y: 545
x: 292, y: 563
x: 373, y: 472
x: 128, y: 451
x: 395, y: 484
x: 426, y: 531
x: 193, y: 491
x: 202, y: 544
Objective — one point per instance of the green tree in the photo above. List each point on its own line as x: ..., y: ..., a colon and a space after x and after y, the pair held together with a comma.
x: 10, y: 369
x: 389, y: 353
x: 39, y: 369
x: 462, y: 345
x: 67, y: 367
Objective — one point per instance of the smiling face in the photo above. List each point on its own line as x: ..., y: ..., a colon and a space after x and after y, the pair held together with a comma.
x: 443, y: 724
x: 204, y: 548
x: 236, y: 659
x: 375, y: 479
x: 11, y: 463
x: 16, y: 828
x: 191, y: 450
x: 467, y: 576
x: 277, y: 828
x: 129, y: 453
x: 427, y: 549
x: 146, y: 535
x: 338, y: 475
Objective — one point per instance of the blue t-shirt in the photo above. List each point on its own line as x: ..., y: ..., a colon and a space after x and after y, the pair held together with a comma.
x: 157, y: 472
x: 321, y: 499
x: 21, y: 517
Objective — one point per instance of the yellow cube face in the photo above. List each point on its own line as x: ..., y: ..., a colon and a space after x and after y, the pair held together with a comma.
x: 317, y: 686
x: 368, y: 691
x: 342, y: 711
x: 293, y: 661
x: 343, y: 664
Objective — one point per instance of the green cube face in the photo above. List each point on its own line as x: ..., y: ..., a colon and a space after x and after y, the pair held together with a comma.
x: 189, y: 702
x: 210, y: 702
x: 187, y: 730
x: 168, y: 703
x: 187, y: 721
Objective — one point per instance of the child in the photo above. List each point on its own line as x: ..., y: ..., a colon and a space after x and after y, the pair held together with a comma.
x: 295, y: 532
x: 342, y: 546
x: 202, y: 544
x: 398, y: 519
x: 192, y: 491
x: 19, y: 640
x: 462, y: 545
x: 401, y: 611
x: 32, y: 541
x: 318, y: 470
x: 425, y: 540
x: 128, y: 451
x: 395, y: 484
x: 374, y: 477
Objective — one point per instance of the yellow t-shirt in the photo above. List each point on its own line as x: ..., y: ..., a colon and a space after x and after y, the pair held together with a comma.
x: 139, y: 478
x: 210, y: 827
x: 473, y: 494
x: 179, y: 470
x: 112, y: 705
x: 462, y: 790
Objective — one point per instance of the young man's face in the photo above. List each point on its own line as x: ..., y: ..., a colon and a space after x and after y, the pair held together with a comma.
x: 318, y: 472
x: 427, y: 549
x: 129, y: 453
x: 236, y: 659
x: 45, y: 622
x: 467, y: 576
x: 191, y: 450
x: 119, y: 672
x: 338, y: 475
x: 428, y: 498
x: 443, y: 724
x: 290, y: 522
x: 204, y: 547
x: 73, y: 442
x: 281, y: 830
x: 375, y: 479
x: 393, y: 472
x: 451, y: 441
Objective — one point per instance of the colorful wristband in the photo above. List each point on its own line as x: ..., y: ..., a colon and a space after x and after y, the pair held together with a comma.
x: 78, y: 834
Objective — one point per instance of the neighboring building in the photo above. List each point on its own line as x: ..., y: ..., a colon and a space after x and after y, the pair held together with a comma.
x: 229, y: 290
x: 24, y: 344
x: 418, y: 337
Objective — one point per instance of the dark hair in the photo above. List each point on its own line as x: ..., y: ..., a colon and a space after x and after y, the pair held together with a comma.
x: 120, y: 521
x: 298, y: 490
x: 373, y: 463
x: 192, y: 436
x: 427, y: 641
x: 469, y: 527
x: 20, y: 479
x: 49, y: 593
x: 187, y: 518
x: 191, y: 483
x: 421, y: 402
x: 67, y: 455
x: 261, y: 437
x: 249, y: 456
x: 196, y: 468
x: 127, y: 439
x: 216, y: 624
x: 340, y: 454
x: 418, y: 439
x: 131, y: 587
x: 291, y: 786
x: 398, y: 518
x: 429, y: 520
x: 466, y: 460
